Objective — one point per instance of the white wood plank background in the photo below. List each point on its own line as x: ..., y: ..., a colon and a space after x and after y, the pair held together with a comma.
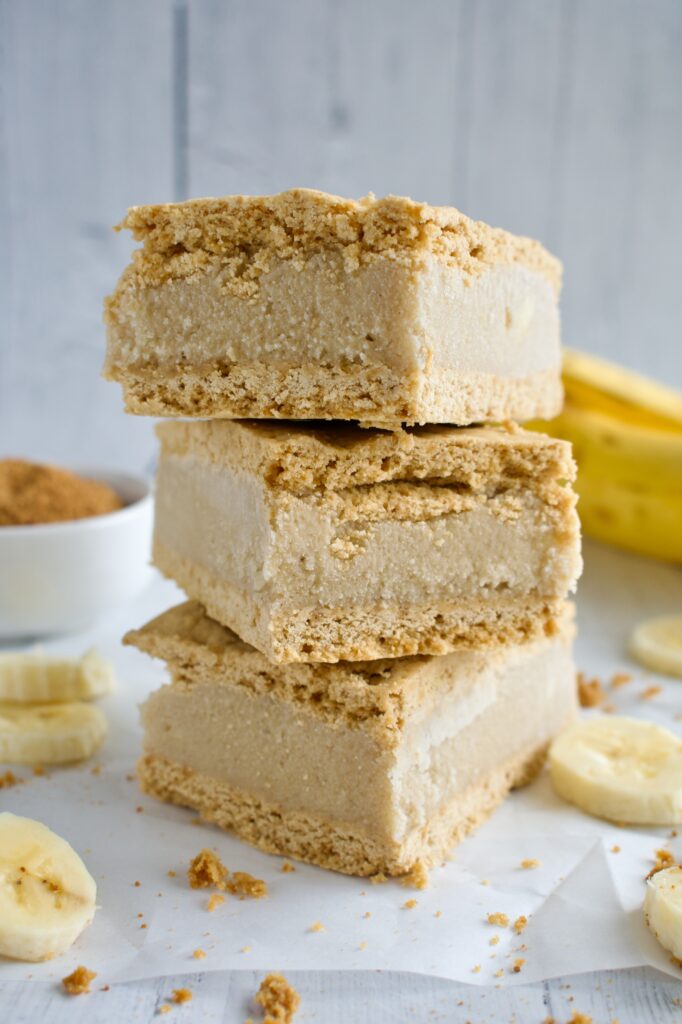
x: 558, y: 118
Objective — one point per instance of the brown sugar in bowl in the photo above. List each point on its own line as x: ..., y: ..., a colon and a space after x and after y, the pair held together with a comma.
x: 62, y: 576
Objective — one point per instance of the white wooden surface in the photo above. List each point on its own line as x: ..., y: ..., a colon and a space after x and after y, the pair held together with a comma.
x: 557, y: 118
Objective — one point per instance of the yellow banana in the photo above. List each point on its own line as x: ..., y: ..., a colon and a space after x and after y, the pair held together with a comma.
x: 627, y: 440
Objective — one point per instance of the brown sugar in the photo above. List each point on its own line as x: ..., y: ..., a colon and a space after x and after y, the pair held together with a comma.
x: 31, y: 494
x: 278, y: 999
x: 78, y: 982
x: 207, y: 871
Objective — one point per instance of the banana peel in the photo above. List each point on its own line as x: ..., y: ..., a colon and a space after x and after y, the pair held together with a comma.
x: 626, y: 432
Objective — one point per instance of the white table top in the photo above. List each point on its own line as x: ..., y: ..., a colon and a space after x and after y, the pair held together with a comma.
x: 617, y: 591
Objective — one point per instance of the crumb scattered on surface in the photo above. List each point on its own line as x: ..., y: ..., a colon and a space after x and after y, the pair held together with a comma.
x: 484, y: 881
x: 137, y: 884
x: 367, y: 913
x: 580, y: 1018
x: 439, y: 913
x: 362, y: 946
x: 199, y: 954
x: 317, y: 926
x: 9, y: 779
x: 181, y: 995
x: 615, y: 848
x: 216, y: 900
x: 96, y: 769
x: 518, y: 964
x: 241, y: 884
x: 498, y: 918
x: 171, y: 874
x: 245, y: 949
x: 495, y: 939
x: 206, y: 871
x: 620, y: 679
x: 590, y: 691
x: 664, y: 859
x: 417, y: 877
x: 78, y: 982
x: 409, y: 904
x: 287, y: 868
x: 378, y: 879
x: 529, y: 863
x: 651, y: 691
x: 476, y: 969
x: 164, y: 1008
x: 278, y: 999
x: 520, y: 923
x: 500, y: 973
x: 38, y: 770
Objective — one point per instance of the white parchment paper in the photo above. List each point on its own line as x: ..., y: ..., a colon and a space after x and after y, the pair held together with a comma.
x: 583, y: 902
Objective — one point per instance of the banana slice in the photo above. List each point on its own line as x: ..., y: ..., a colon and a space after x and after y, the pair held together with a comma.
x: 42, y: 679
x: 50, y: 733
x: 621, y: 769
x: 47, y: 895
x: 657, y: 644
x: 663, y: 908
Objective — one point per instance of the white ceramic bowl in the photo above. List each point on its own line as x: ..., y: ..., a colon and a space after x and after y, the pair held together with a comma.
x: 61, y: 577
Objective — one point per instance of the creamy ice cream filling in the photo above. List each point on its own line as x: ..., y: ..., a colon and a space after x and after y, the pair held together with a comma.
x: 295, y: 553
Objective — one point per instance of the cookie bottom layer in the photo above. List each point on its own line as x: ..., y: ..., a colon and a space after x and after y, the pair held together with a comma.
x: 326, y: 843
x: 373, y: 395
x: 362, y: 633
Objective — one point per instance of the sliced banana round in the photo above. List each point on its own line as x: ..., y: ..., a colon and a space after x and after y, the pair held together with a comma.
x: 47, y: 895
x: 657, y: 644
x: 50, y: 733
x: 663, y: 908
x: 622, y: 769
x: 42, y: 678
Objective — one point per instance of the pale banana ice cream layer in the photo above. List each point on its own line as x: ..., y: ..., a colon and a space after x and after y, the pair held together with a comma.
x: 390, y: 761
x: 262, y: 558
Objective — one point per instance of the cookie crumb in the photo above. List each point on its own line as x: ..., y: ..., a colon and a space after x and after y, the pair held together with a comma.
x: 216, y: 900
x: 9, y: 779
x: 651, y: 691
x: 494, y: 941
x: 520, y: 923
x: 171, y: 874
x: 245, y: 949
x: 317, y: 926
x: 378, y: 879
x: 181, y: 995
x: 287, y: 868
x: 580, y: 1018
x: 498, y: 918
x: 199, y: 954
x: 417, y: 877
x: 367, y: 913
x: 206, y: 871
x: 620, y: 679
x: 518, y: 964
x: 476, y: 969
x: 164, y: 1008
x: 590, y: 691
x: 664, y: 859
x: 278, y: 999
x: 78, y: 982
x: 439, y: 913
x: 615, y: 848
x: 529, y: 863
x: 409, y: 904
x: 242, y: 884
x: 362, y: 946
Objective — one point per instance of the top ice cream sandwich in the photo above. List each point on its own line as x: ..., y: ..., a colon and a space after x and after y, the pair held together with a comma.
x: 305, y: 305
